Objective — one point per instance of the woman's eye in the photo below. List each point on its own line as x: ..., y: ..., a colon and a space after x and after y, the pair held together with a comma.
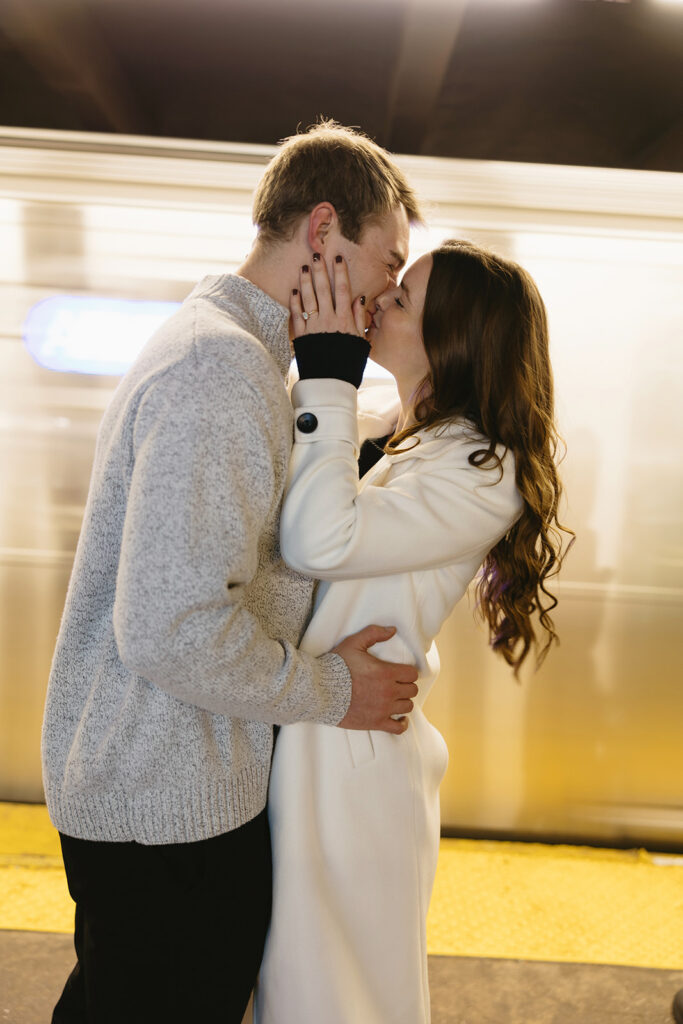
x: 399, y: 303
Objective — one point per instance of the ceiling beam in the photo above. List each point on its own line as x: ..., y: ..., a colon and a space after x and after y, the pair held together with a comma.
x: 664, y: 151
x: 428, y: 36
x: 65, y: 46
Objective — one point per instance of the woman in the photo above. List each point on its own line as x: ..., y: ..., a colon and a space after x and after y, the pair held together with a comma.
x: 467, y: 485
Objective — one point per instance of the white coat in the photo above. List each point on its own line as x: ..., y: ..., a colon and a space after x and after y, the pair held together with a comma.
x: 355, y: 815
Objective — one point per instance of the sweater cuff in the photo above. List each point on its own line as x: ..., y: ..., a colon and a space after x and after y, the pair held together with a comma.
x: 338, y: 678
x: 342, y: 356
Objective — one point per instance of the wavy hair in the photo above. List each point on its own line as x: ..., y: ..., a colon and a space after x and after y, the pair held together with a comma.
x: 485, y: 333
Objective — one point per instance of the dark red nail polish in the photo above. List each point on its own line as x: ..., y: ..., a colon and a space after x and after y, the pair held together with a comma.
x: 295, y: 291
x: 316, y: 257
x: 304, y: 269
x: 337, y: 259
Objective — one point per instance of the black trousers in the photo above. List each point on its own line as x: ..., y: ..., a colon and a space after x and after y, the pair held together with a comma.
x: 167, y: 933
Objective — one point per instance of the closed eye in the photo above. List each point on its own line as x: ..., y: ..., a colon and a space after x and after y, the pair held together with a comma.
x: 399, y: 303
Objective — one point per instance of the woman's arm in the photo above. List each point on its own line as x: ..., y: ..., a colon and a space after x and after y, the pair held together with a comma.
x: 437, y: 511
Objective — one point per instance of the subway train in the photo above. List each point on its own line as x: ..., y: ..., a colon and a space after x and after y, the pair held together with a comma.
x: 100, y: 236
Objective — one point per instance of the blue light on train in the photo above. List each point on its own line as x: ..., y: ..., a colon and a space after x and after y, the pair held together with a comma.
x: 86, y: 334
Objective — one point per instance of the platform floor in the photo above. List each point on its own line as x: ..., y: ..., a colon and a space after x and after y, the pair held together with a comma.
x: 518, y: 933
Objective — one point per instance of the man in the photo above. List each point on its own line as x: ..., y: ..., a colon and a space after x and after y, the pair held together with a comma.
x: 178, y: 645
x: 677, y: 1008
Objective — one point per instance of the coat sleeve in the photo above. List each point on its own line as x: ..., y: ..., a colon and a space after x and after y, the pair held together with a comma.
x: 202, y: 486
x: 438, y: 511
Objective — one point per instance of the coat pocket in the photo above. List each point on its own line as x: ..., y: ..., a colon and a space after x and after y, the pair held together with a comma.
x: 361, y: 747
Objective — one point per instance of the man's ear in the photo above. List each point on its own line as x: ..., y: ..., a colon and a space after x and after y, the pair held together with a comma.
x: 321, y: 220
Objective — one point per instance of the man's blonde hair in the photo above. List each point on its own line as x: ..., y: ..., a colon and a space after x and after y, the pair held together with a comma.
x: 334, y: 164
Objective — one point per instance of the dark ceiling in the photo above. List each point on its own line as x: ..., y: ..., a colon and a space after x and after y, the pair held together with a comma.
x: 594, y: 82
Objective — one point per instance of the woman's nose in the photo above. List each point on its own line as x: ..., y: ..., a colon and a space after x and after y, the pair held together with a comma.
x: 384, y: 298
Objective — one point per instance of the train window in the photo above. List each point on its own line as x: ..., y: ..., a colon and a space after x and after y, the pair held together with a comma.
x: 87, y: 334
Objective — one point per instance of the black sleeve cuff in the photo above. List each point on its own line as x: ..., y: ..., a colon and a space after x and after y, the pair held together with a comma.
x: 332, y: 355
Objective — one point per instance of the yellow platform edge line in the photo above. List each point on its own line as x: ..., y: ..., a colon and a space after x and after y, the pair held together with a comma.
x: 499, y: 900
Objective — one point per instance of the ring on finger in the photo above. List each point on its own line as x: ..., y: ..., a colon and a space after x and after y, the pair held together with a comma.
x: 312, y: 312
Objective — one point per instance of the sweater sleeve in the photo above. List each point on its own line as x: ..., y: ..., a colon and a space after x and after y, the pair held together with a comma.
x: 435, y: 512
x: 202, y: 486
x: 342, y: 356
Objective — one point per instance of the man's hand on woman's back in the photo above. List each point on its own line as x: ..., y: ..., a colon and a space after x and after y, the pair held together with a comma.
x: 380, y: 689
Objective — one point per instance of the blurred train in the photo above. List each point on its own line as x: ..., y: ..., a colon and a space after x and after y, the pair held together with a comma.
x: 588, y: 748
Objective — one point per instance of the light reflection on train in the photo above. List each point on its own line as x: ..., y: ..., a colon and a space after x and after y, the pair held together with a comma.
x: 589, y: 747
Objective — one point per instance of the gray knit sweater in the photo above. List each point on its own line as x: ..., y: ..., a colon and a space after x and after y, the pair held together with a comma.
x: 177, y: 647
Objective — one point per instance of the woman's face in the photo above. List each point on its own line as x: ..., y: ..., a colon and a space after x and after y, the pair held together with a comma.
x: 395, y: 332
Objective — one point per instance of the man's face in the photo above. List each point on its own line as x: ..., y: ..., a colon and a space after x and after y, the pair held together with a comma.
x: 375, y: 261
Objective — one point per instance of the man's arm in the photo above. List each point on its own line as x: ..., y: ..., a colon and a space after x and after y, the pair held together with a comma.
x: 202, y: 487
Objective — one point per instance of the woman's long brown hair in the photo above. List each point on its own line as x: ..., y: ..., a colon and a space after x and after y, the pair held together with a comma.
x: 485, y: 333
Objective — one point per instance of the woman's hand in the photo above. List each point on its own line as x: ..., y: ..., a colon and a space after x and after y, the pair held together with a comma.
x: 313, y: 308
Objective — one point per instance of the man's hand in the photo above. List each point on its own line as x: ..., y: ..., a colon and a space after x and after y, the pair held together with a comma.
x: 380, y: 689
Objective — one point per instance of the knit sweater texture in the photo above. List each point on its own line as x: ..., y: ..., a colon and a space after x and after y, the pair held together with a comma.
x: 178, y: 644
